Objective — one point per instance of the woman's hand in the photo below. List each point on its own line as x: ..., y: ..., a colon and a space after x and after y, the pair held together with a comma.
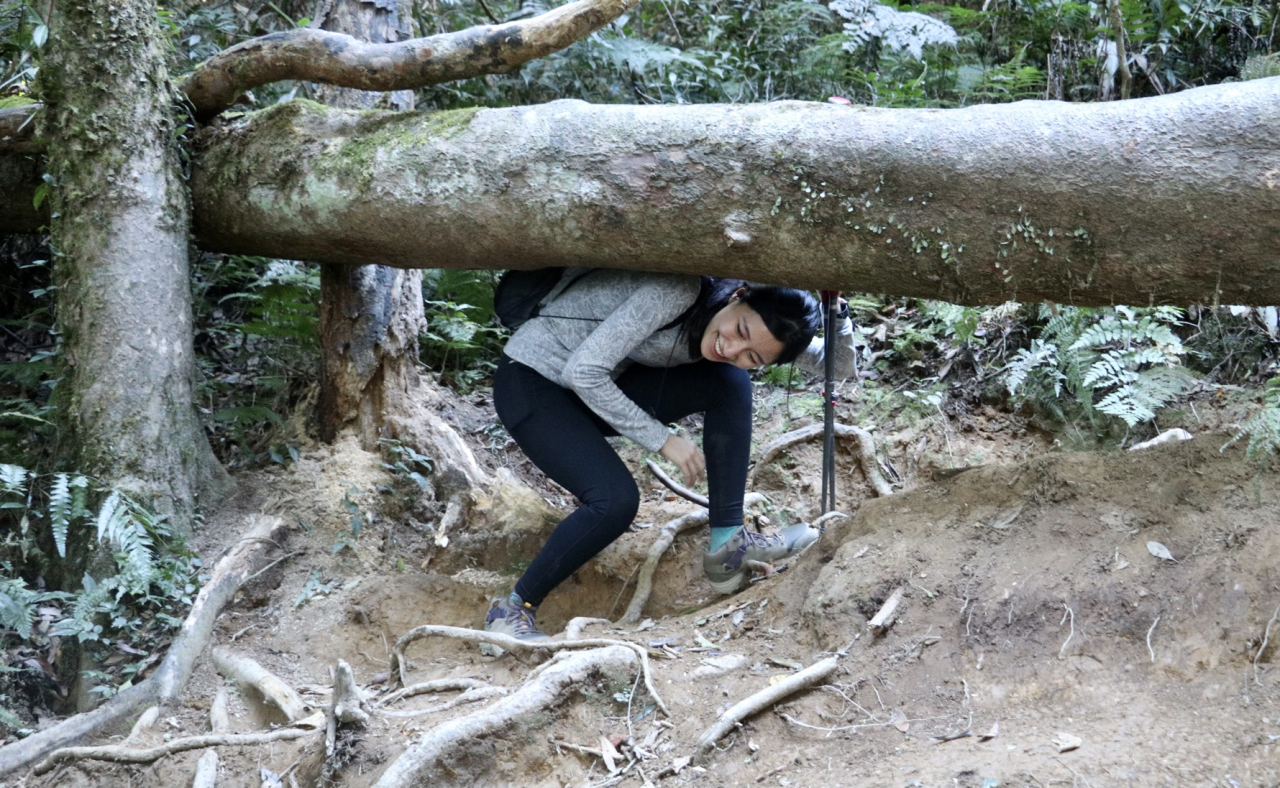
x: 687, y: 457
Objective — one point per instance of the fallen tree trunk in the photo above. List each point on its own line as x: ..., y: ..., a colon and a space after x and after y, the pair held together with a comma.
x: 1171, y: 199
x: 171, y: 677
x: 421, y: 763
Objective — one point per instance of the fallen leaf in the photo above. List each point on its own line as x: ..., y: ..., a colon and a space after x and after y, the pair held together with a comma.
x: 899, y: 720
x: 680, y: 763
x: 738, y: 617
x: 1160, y: 551
x: 751, y: 745
x: 991, y: 734
x: 609, y: 754
x: 1066, y: 742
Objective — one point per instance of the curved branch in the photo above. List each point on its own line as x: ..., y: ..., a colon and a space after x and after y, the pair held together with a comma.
x: 866, y: 452
x: 337, y: 59
x: 676, y: 487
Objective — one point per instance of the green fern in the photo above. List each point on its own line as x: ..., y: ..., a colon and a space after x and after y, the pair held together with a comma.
x: 1262, y: 428
x: 120, y: 527
x: 1120, y: 362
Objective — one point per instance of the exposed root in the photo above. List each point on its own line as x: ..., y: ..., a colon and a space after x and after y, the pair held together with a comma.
x: 762, y: 700
x: 167, y: 683
x: 470, y: 696
x: 866, y: 452
x: 248, y: 673
x: 119, y: 754
x: 666, y: 537
x: 348, y: 699
x: 436, y: 685
x: 509, y: 643
x: 206, y: 771
x: 421, y: 764
x: 574, y: 630
x: 676, y: 487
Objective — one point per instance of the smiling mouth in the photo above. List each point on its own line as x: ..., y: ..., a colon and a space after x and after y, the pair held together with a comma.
x: 717, y: 347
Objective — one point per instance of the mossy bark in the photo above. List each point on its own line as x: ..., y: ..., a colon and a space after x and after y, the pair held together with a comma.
x: 1169, y: 199
x: 370, y: 315
x: 120, y: 224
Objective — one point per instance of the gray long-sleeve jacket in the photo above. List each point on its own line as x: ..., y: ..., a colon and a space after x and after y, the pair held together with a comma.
x: 607, y: 320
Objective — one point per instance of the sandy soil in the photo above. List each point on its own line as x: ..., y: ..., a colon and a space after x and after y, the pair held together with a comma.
x: 1033, y: 610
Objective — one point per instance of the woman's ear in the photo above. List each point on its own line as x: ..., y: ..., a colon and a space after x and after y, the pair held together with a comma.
x: 739, y: 293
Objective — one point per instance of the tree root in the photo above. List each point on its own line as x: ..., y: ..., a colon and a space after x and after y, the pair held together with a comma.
x: 398, y: 665
x: 762, y: 700
x: 171, y: 677
x: 248, y: 673
x: 470, y: 696
x: 437, y: 685
x: 420, y: 764
x: 119, y: 754
x: 206, y: 771
x: 676, y: 487
x: 666, y: 537
x: 866, y: 452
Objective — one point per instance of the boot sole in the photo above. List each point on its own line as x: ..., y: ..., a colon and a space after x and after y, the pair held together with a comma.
x: 727, y: 586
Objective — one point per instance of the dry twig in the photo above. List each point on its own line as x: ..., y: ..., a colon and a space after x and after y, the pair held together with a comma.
x: 762, y: 700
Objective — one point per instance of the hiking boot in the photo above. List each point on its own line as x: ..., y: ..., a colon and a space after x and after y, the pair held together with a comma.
x: 512, y: 616
x: 725, y: 567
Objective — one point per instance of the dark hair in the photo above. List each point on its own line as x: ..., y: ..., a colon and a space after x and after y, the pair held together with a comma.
x: 791, y: 315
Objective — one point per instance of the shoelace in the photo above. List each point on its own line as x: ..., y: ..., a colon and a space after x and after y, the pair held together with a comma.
x: 522, y: 622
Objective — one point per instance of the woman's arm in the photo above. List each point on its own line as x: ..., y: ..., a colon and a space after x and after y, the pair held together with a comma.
x: 589, y: 370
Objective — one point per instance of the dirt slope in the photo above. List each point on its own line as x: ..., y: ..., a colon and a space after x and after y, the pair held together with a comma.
x: 1032, y: 605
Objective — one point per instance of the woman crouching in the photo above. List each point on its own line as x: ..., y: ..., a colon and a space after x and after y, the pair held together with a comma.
x: 627, y: 353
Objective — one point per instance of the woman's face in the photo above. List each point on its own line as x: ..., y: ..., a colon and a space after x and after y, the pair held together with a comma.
x: 737, y: 335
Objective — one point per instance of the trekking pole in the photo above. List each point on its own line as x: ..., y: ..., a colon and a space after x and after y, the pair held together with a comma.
x: 831, y: 301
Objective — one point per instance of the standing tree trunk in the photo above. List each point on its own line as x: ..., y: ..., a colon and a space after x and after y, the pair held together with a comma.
x: 371, y: 315
x: 119, y: 230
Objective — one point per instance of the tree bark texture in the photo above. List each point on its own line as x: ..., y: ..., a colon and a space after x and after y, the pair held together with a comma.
x: 119, y: 227
x: 370, y: 315
x: 337, y: 59
x: 1169, y: 199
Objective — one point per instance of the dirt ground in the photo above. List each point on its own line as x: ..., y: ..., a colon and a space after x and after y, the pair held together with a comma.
x: 1040, y: 640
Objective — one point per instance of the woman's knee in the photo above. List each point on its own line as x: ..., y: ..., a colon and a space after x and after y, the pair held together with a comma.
x: 615, y: 503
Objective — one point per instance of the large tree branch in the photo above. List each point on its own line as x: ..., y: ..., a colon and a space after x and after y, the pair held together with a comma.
x: 337, y: 59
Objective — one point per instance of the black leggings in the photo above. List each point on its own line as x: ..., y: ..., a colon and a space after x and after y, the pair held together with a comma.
x: 566, y: 439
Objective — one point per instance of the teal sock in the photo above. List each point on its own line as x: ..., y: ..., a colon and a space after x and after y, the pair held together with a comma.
x: 719, y: 536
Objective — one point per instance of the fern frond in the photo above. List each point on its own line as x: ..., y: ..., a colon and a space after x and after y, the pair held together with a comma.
x: 1110, y: 369
x: 13, y: 478
x: 1108, y: 331
x: 1041, y: 354
x: 60, y: 511
x: 17, y: 607
x: 119, y: 526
